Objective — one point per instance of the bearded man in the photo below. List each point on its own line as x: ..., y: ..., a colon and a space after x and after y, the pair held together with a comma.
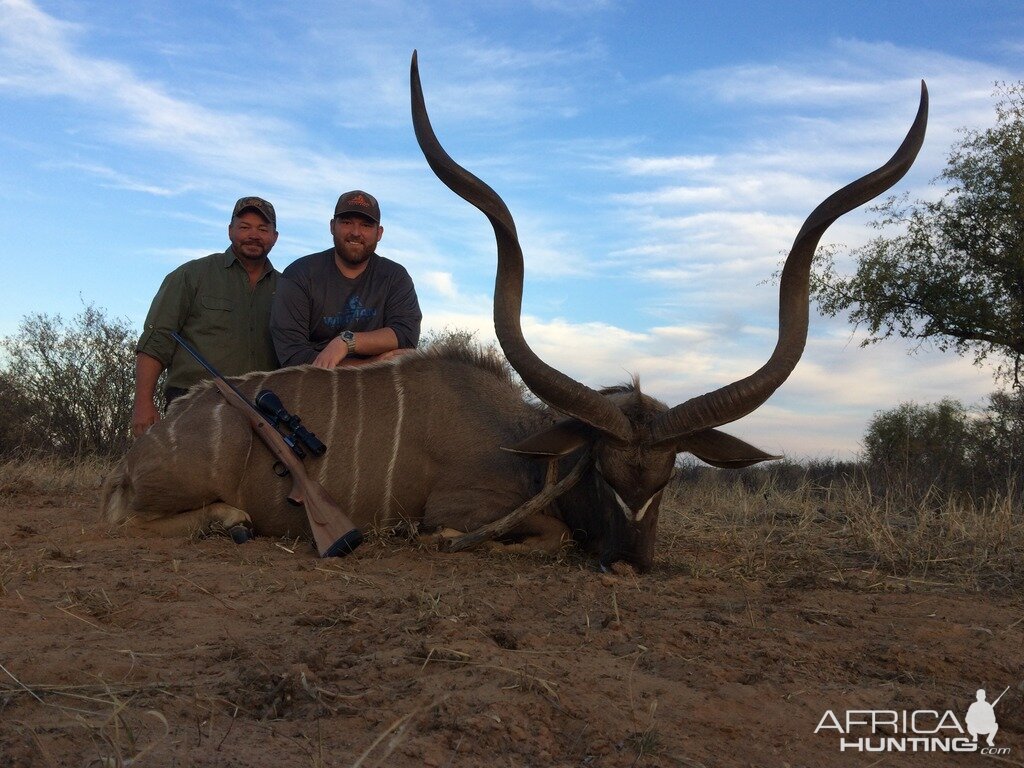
x: 346, y: 305
x: 220, y: 304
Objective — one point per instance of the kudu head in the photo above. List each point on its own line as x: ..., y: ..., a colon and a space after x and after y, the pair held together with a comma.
x: 633, y: 438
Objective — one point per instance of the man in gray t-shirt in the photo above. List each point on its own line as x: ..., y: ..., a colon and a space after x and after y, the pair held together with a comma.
x: 346, y: 304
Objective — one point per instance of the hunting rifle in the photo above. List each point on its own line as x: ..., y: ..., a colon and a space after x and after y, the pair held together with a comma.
x: 333, y: 533
x: 1000, y: 696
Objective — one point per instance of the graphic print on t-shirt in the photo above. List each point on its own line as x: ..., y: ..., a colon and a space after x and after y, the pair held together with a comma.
x: 354, y: 312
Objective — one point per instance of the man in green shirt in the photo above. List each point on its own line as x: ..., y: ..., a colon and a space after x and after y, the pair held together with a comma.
x: 220, y: 304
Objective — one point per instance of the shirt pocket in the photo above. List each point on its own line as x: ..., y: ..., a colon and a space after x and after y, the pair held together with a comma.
x: 218, y: 304
x: 218, y: 314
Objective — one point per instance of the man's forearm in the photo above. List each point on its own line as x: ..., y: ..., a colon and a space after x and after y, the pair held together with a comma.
x: 144, y: 412
x: 369, y: 345
x: 375, y: 342
x: 147, y: 373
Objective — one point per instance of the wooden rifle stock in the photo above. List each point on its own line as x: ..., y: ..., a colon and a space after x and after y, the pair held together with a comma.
x: 334, y: 534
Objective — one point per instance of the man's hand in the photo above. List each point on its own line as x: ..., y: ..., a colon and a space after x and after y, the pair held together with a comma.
x: 144, y: 416
x: 331, y: 355
x: 144, y: 412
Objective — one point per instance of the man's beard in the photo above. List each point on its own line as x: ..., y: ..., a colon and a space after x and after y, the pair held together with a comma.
x: 353, y: 253
x: 252, y: 250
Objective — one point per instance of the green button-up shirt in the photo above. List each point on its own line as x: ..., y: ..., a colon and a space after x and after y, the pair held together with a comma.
x: 210, y: 303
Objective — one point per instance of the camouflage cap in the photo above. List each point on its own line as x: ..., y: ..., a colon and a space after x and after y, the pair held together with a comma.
x: 360, y: 202
x: 258, y: 204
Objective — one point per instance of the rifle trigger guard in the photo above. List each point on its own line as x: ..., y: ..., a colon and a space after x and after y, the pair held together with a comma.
x: 280, y: 469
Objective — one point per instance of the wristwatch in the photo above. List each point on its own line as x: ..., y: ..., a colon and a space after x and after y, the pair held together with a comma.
x: 349, y: 338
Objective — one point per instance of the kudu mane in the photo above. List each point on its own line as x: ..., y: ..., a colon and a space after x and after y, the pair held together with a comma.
x: 470, y: 353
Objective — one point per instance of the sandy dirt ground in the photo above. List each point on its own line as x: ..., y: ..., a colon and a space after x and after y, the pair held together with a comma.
x: 121, y: 651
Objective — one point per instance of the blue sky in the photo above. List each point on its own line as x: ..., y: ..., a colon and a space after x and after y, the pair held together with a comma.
x: 658, y: 158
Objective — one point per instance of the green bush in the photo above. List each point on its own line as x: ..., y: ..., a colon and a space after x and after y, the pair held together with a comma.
x: 924, y: 446
x: 946, y: 448
x: 997, y: 447
x: 914, y: 455
x: 67, y: 387
x: 15, y: 419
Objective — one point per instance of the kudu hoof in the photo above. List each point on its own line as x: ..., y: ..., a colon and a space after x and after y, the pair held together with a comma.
x: 239, y: 534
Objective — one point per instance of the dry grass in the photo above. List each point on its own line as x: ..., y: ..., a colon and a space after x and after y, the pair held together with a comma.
x: 51, y: 475
x: 843, y: 533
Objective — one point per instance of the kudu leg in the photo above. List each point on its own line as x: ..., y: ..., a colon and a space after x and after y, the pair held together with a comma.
x: 543, y: 534
x: 531, y: 511
x: 202, y: 520
x: 540, y: 533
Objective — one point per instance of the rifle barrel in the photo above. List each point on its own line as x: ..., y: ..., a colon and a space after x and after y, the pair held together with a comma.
x: 212, y: 371
x: 333, y: 533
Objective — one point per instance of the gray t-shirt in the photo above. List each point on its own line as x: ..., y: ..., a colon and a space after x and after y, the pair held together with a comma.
x: 314, y: 302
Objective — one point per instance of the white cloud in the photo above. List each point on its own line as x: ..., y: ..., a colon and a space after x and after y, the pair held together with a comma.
x: 573, y: 7
x: 655, y: 166
x: 118, y: 180
x: 441, y: 282
x: 39, y: 57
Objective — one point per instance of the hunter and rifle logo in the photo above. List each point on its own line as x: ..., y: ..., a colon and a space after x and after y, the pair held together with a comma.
x: 919, y: 730
x: 334, y: 535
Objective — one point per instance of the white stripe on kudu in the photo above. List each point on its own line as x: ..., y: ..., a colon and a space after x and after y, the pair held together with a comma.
x: 154, y: 434
x: 172, y: 440
x: 217, y: 432
x: 396, y: 374
x: 334, y: 384
x: 353, y: 464
x: 296, y: 406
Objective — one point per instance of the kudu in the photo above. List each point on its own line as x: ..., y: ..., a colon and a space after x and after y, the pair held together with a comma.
x: 633, y: 438
x: 446, y: 439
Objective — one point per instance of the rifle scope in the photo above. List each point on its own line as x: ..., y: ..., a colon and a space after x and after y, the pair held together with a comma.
x: 271, y: 405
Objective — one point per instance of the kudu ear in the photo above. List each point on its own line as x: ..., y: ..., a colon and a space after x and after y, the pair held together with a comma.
x: 561, y: 439
x: 721, y: 450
